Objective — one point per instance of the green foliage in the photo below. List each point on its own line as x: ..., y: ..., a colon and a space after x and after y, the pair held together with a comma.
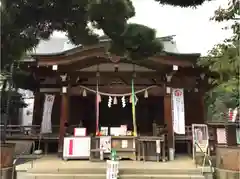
x: 24, y: 80
x: 11, y: 96
x: 16, y: 102
x: 24, y: 23
x: 224, y: 59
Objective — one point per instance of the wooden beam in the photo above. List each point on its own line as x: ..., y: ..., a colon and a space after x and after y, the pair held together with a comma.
x: 75, y: 74
x: 64, y: 118
x: 175, y: 83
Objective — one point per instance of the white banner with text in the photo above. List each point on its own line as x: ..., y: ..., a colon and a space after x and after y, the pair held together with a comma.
x: 178, y: 111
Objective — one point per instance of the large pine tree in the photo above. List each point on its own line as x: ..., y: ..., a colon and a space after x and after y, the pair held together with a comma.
x: 25, y: 22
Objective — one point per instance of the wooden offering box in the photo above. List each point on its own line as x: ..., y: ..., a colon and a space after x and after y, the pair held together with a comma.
x: 124, y: 146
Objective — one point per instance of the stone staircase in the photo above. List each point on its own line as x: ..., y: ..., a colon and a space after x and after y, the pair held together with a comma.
x: 100, y: 173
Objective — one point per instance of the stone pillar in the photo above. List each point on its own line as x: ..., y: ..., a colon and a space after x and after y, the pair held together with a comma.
x: 168, y: 120
x: 64, y: 117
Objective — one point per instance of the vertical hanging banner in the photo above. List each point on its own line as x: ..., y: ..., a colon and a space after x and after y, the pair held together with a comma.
x: 46, y: 126
x: 178, y: 111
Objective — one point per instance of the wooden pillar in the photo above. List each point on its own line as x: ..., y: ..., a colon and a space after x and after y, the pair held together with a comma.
x: 64, y: 117
x: 168, y: 120
x: 202, y: 104
x: 37, y: 110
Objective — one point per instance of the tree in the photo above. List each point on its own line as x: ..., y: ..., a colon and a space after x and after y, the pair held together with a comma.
x: 24, y: 23
x: 224, y: 59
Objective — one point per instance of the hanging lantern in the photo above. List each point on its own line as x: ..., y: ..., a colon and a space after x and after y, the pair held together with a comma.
x: 84, y: 93
x: 115, y: 100
x: 146, y: 94
x: 123, y: 102
x: 109, y: 101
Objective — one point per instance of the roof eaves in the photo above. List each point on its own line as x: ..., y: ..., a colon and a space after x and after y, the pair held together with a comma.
x: 197, y: 55
x: 66, y: 52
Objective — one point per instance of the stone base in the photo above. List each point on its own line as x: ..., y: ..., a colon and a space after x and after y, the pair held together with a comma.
x: 7, y: 173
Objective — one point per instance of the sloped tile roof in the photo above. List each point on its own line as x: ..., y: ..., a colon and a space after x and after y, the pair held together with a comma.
x: 57, y: 45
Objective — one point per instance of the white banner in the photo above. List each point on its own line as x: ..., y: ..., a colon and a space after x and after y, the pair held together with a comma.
x: 46, y: 126
x: 178, y: 113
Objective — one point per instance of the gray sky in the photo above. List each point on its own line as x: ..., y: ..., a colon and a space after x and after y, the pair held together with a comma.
x: 192, y: 27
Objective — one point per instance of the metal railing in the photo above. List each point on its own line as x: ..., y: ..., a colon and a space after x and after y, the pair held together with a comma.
x: 186, y: 136
x: 28, y: 129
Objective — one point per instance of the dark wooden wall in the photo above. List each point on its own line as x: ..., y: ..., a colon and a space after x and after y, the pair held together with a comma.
x: 194, y: 108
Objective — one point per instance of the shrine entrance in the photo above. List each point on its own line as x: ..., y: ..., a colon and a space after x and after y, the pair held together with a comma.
x: 85, y: 80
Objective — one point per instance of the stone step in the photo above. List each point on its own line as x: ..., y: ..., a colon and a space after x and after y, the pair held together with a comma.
x: 103, y: 176
x: 122, y: 171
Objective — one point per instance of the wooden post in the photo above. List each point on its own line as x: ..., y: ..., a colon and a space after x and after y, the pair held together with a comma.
x: 168, y: 120
x: 37, y: 111
x: 64, y: 117
x: 231, y: 134
x: 203, y: 108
